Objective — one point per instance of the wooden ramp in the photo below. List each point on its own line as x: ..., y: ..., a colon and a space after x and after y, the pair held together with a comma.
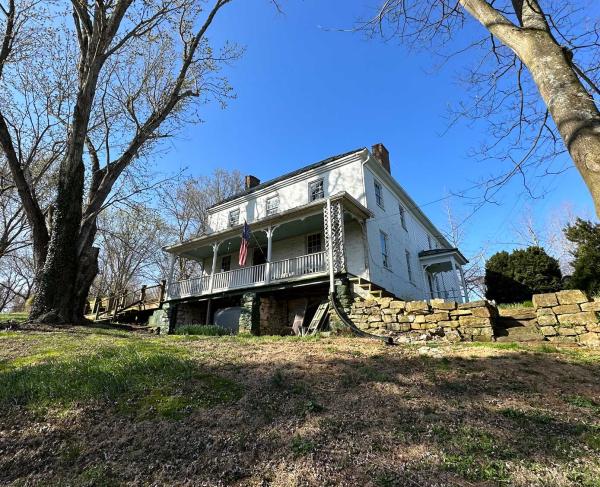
x: 126, y: 303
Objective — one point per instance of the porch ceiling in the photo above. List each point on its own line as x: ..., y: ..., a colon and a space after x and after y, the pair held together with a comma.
x: 290, y: 223
x: 295, y: 228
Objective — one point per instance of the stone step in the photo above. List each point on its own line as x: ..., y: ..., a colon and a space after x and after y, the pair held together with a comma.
x: 512, y: 323
x: 518, y: 334
x: 517, y: 313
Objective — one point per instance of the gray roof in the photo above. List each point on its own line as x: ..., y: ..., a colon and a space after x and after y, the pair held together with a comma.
x: 426, y: 253
x: 286, y: 176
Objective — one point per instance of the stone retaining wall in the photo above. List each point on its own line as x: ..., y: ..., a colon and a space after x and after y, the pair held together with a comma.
x: 568, y: 317
x: 455, y: 322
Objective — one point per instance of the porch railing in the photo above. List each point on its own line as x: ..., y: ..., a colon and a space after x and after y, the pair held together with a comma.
x: 239, y: 277
x: 255, y: 275
x: 299, y: 266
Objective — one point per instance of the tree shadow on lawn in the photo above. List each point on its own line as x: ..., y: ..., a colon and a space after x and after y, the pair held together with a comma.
x: 390, y: 418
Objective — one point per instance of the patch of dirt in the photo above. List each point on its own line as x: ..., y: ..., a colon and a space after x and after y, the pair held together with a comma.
x: 337, y: 411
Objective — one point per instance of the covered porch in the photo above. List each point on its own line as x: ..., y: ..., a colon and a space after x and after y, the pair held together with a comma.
x: 444, y: 275
x: 287, y: 247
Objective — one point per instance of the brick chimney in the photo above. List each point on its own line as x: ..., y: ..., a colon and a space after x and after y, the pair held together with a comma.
x: 382, y: 154
x: 251, y: 181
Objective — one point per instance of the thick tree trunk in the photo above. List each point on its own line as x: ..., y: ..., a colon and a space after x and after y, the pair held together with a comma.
x: 573, y: 109
x: 55, y: 296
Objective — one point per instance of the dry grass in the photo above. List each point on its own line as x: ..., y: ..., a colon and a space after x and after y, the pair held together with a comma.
x: 94, y: 407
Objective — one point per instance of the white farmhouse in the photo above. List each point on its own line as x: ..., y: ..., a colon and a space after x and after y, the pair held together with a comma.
x: 380, y: 240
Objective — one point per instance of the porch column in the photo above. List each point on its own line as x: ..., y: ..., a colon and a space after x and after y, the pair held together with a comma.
x: 330, y: 248
x: 171, y: 272
x: 464, y: 283
x: 461, y: 276
x: 427, y: 284
x: 215, y: 247
x: 269, y: 231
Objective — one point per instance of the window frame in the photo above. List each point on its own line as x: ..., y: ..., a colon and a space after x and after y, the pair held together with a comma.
x: 409, y: 271
x: 402, y: 213
x: 229, y: 220
x: 379, y: 194
x: 315, y: 182
x: 230, y: 260
x: 385, y: 249
x: 308, y: 243
x: 272, y: 210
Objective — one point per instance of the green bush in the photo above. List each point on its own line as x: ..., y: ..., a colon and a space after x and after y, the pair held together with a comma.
x: 516, y: 276
x: 206, y: 330
x: 586, y: 263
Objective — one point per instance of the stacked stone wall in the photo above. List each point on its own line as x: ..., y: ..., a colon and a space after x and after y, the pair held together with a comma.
x: 421, y: 319
x: 568, y: 317
x: 274, y: 316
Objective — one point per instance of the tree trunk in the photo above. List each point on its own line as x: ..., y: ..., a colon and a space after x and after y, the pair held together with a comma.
x: 572, y: 108
x: 88, y: 270
x: 55, y: 296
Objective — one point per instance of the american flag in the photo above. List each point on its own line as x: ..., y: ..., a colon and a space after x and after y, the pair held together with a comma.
x: 244, y: 246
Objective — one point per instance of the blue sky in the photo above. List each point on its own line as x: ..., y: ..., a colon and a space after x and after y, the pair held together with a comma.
x: 306, y: 91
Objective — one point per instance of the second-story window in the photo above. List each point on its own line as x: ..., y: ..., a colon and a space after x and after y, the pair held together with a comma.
x: 385, y: 256
x: 402, y: 213
x: 234, y: 217
x: 313, y: 243
x: 272, y: 205
x: 379, y: 194
x: 316, y: 190
x: 429, y: 242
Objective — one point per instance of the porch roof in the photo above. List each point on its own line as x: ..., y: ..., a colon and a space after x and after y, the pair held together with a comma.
x: 314, y: 207
x: 437, y: 256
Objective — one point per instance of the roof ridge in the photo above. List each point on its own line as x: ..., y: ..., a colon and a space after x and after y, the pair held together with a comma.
x: 290, y: 174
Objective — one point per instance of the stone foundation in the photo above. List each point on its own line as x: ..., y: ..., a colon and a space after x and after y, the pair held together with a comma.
x: 274, y: 316
x: 455, y: 322
x: 568, y: 317
x: 250, y: 314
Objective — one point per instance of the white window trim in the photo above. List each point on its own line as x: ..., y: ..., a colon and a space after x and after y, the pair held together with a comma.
x: 320, y: 234
x: 230, y: 262
x: 380, y: 201
x: 271, y: 198
x: 409, y: 269
x: 385, y: 256
x: 402, y: 213
x: 229, y: 224
x: 316, y: 181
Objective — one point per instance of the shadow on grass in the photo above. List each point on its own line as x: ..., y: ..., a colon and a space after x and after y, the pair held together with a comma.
x: 375, y: 416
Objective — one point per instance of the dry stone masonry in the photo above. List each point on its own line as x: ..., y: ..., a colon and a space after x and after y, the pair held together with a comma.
x: 568, y: 317
x: 421, y: 319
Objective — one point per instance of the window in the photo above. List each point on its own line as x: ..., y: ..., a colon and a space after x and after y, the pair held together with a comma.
x: 234, y: 217
x: 402, y: 213
x: 378, y: 194
x: 316, y: 190
x: 272, y: 205
x: 385, y: 257
x: 408, y: 266
x: 313, y: 243
x: 429, y: 242
x: 225, y: 263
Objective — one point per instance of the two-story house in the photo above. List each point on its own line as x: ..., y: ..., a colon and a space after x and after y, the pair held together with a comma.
x: 377, y: 231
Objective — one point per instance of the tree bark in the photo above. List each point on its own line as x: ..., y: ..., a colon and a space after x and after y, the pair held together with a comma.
x: 572, y: 108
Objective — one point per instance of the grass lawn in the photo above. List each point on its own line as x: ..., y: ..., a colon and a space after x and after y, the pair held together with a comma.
x: 17, y: 317
x: 87, y: 406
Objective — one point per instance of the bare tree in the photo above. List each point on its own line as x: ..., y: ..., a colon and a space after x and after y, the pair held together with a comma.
x: 184, y: 205
x: 116, y: 77
x: 456, y: 234
x: 536, y: 79
x: 128, y: 239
